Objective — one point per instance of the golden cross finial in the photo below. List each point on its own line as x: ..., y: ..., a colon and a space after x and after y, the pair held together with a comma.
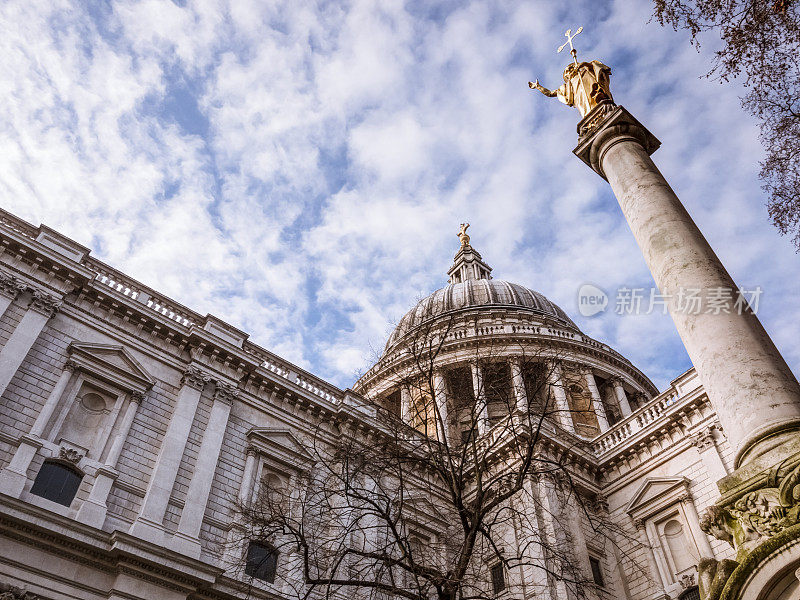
x: 571, y: 37
x: 462, y: 235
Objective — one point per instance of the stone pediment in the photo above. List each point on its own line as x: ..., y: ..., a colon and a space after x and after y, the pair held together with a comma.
x: 111, y: 363
x: 654, y: 490
x: 280, y: 444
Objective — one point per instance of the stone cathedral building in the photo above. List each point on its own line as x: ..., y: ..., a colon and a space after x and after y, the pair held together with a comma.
x: 131, y: 426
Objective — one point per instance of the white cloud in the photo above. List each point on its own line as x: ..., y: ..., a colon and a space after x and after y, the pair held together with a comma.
x: 300, y: 168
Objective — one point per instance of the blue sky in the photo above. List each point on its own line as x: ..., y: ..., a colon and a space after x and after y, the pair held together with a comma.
x: 300, y: 168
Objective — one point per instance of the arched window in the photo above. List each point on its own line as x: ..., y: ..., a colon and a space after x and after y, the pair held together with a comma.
x: 262, y: 561
x: 57, y: 481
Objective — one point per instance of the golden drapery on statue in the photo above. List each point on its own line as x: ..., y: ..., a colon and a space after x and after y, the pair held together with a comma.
x: 585, y: 85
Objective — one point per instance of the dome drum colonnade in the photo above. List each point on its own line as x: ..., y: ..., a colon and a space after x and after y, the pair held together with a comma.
x: 498, y: 338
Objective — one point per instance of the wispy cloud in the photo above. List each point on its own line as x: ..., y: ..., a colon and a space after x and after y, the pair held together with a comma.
x: 300, y: 168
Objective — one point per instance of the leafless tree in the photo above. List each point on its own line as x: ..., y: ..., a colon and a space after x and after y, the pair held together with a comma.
x: 429, y: 504
x: 761, y: 43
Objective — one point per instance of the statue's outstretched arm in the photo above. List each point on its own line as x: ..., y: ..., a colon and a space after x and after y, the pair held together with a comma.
x: 544, y: 90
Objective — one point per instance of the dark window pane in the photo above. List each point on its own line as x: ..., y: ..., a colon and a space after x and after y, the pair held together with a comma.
x: 690, y: 594
x: 57, y: 482
x: 597, y: 571
x: 498, y: 578
x: 262, y: 561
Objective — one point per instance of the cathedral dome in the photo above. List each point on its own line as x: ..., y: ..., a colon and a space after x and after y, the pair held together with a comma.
x: 470, y: 286
x: 478, y: 293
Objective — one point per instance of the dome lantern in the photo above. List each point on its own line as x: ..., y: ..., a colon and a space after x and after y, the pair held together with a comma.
x: 467, y: 264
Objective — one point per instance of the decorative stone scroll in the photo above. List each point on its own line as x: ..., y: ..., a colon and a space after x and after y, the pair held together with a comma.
x: 225, y: 392
x: 11, y: 592
x: 70, y: 454
x: 758, y: 515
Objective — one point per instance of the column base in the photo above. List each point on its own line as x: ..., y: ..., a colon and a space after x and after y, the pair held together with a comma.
x: 12, y: 482
x: 185, y: 544
x: 92, y: 513
x: 150, y: 531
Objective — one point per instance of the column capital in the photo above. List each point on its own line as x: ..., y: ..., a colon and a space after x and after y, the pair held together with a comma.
x: 195, y: 377
x: 10, y: 285
x: 225, y: 392
x: 704, y: 440
x: 45, y: 303
x: 137, y: 396
x: 605, y: 125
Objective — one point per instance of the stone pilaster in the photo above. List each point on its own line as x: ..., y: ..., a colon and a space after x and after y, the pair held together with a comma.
x: 748, y: 382
x: 149, y: 523
x: 41, y: 308
x: 186, y: 539
x: 706, y: 446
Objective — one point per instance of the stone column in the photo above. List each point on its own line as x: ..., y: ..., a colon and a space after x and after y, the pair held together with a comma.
x: 42, y: 307
x: 440, y: 392
x: 555, y: 381
x: 187, y: 537
x: 480, y: 398
x: 518, y: 384
x: 14, y: 476
x: 709, y: 454
x: 149, y: 523
x: 405, y: 404
x: 93, y: 510
x: 622, y: 397
x: 748, y: 382
x: 597, y: 401
x: 246, y: 487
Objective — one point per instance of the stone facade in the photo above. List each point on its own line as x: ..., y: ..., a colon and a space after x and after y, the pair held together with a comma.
x: 167, y: 418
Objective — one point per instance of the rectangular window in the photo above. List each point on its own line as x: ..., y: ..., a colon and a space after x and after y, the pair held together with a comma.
x: 597, y: 571
x: 498, y: 578
x: 262, y: 561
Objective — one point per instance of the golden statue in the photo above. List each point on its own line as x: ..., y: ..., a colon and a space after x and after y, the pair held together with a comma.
x: 586, y: 84
x: 462, y: 235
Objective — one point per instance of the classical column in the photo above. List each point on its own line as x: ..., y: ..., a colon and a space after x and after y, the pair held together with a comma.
x: 440, y: 393
x: 753, y: 391
x: 622, y: 397
x: 246, y: 487
x: 480, y: 398
x: 14, y: 476
x: 597, y: 401
x: 581, y: 551
x: 709, y: 454
x: 187, y: 537
x: 518, y: 384
x: 405, y: 404
x: 526, y: 523
x: 149, y: 523
x: 42, y: 307
x: 94, y: 508
x: 555, y: 381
